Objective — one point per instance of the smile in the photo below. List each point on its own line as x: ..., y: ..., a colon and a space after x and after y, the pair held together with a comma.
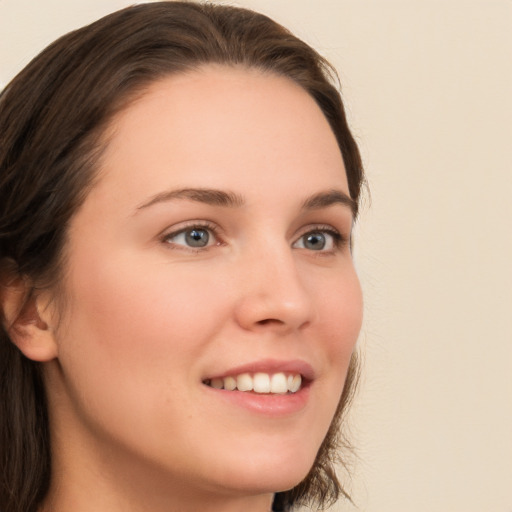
x: 265, y: 383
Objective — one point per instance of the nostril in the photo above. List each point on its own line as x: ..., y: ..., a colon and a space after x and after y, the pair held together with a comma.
x: 265, y: 311
x: 268, y: 321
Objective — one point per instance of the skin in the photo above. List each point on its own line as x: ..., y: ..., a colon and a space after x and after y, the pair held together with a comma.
x: 148, y: 318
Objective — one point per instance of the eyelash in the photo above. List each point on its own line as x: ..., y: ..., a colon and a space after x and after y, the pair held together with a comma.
x: 339, y: 240
x: 207, y: 226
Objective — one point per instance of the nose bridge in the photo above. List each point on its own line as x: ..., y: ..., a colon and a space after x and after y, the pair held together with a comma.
x: 274, y: 293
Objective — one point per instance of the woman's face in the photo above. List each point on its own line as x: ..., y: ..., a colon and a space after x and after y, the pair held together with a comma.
x: 214, y: 250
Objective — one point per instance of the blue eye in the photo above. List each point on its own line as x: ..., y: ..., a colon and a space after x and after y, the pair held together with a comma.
x: 196, y: 237
x: 315, y: 241
x: 319, y: 240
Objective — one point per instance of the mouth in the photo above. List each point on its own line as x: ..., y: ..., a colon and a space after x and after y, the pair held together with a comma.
x: 279, y: 383
x: 269, y: 388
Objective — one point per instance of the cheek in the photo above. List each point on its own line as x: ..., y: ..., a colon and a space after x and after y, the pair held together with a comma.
x: 133, y: 331
x: 341, y: 312
x: 131, y: 342
x: 125, y: 302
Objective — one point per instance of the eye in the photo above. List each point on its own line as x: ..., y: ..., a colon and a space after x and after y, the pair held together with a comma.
x: 195, y: 237
x: 319, y: 240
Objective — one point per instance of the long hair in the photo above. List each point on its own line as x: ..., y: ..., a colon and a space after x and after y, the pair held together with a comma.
x: 52, y: 117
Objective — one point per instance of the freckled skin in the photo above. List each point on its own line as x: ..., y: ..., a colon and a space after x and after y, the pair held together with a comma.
x: 147, y: 317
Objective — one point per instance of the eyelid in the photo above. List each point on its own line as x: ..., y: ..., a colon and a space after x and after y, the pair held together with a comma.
x: 186, y: 226
x: 339, y: 238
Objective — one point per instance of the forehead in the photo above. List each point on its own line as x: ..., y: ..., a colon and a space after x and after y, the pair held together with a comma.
x: 197, y: 128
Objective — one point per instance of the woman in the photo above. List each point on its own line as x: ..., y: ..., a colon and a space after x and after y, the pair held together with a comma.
x: 179, y: 303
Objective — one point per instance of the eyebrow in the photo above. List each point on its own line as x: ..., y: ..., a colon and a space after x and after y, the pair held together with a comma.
x: 227, y: 199
x: 329, y: 198
x: 209, y: 196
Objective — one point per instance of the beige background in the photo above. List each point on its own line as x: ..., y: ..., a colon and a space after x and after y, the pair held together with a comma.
x: 428, y: 86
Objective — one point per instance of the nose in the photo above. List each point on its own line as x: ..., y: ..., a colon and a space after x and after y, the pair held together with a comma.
x: 272, y: 294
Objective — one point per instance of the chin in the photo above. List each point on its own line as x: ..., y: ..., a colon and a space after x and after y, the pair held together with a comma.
x: 275, y: 475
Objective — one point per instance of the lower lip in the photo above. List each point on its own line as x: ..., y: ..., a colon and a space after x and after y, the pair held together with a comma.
x: 272, y: 405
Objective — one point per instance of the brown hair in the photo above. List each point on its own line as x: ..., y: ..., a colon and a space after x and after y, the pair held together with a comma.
x: 52, y: 116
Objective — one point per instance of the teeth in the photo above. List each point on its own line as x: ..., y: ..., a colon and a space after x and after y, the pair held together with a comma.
x: 217, y: 383
x: 261, y: 383
x: 229, y: 383
x: 296, y: 382
x: 277, y: 383
x: 244, y: 382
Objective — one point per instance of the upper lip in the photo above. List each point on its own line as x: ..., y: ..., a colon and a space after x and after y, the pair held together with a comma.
x: 295, y: 366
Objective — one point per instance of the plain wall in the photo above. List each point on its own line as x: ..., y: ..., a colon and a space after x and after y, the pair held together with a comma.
x: 428, y: 85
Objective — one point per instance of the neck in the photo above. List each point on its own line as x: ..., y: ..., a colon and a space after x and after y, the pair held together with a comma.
x: 109, y: 481
x: 90, y: 490
x: 92, y: 472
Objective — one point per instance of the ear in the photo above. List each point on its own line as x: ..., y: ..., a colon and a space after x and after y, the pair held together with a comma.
x: 26, y: 319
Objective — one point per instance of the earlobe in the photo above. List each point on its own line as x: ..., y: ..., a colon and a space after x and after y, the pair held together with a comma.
x: 23, y: 321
